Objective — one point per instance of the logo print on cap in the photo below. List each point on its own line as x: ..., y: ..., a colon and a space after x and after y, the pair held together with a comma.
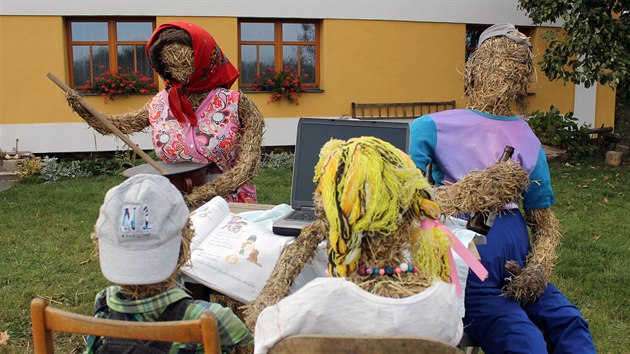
x: 130, y: 222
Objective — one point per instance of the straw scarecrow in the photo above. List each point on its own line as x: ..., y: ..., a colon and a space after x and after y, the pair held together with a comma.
x: 462, y: 146
x: 376, y: 212
x: 197, y: 117
x: 142, y: 238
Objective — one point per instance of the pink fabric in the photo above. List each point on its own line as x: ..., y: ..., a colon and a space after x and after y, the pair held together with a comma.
x: 213, y: 140
x: 212, y: 69
x: 461, y: 250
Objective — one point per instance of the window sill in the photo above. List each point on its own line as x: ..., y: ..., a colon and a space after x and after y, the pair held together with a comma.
x: 89, y: 94
x: 248, y: 91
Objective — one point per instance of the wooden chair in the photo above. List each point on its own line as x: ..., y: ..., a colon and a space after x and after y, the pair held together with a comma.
x: 324, y: 344
x: 46, y: 319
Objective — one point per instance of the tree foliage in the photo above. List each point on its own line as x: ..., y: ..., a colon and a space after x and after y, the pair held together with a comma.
x: 595, y: 45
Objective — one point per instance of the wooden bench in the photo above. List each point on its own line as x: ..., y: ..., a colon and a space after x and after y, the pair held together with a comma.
x: 398, y: 110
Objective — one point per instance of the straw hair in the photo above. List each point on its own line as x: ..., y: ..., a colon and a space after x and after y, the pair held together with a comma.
x: 497, y: 76
x: 366, y: 186
x: 138, y: 292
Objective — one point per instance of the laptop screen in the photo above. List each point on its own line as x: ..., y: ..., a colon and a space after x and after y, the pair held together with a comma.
x: 313, y: 133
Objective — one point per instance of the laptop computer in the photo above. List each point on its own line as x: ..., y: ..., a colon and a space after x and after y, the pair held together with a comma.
x: 312, y: 134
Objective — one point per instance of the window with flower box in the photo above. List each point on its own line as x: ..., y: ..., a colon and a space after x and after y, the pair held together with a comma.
x: 279, y: 45
x: 99, y: 47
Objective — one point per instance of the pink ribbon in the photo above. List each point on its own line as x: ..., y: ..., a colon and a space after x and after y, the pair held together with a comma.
x: 461, y: 250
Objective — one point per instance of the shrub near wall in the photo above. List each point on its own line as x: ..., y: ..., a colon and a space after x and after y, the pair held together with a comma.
x: 563, y: 131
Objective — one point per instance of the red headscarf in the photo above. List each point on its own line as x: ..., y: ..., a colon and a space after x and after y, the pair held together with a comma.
x: 212, y: 70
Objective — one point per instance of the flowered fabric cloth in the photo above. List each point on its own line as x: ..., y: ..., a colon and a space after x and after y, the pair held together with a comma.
x: 213, y: 140
x: 232, y: 331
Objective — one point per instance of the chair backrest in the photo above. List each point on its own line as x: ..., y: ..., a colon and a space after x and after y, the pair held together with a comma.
x: 320, y: 344
x: 46, y: 319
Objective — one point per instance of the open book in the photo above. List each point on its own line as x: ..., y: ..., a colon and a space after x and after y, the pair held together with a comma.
x: 231, y: 254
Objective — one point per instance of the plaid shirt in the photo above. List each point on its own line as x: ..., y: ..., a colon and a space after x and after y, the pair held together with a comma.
x: 232, y: 331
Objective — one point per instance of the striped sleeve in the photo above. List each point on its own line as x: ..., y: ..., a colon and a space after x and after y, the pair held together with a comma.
x: 232, y: 330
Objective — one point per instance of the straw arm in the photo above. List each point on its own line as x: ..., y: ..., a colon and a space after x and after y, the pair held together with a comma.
x: 528, y: 283
x: 128, y: 123
x: 288, y: 267
x: 546, y: 239
x: 246, y: 168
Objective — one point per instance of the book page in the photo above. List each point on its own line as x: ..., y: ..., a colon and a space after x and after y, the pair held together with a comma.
x: 206, y: 218
x: 236, y: 258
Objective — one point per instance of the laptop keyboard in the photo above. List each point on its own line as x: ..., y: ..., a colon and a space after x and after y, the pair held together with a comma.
x: 302, y: 215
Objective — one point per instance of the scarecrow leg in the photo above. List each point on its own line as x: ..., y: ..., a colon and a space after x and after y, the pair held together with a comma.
x: 246, y: 167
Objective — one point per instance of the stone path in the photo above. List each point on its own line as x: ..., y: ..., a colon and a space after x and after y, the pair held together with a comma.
x: 7, y: 173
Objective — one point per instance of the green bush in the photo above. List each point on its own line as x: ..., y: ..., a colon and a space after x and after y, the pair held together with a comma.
x: 277, y: 160
x: 563, y: 131
x: 54, y: 170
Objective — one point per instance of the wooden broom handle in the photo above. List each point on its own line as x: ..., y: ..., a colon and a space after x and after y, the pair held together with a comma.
x: 108, y: 124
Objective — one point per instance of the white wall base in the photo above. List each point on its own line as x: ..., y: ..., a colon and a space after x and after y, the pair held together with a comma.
x: 78, y: 137
x: 584, y: 105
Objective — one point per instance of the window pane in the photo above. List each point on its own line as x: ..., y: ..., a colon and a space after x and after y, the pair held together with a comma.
x: 81, y: 64
x: 307, y: 63
x: 302, y: 32
x: 125, y: 58
x: 133, y: 31
x: 248, y: 63
x: 143, y: 62
x: 100, y: 57
x: 267, y: 57
x: 257, y: 31
x: 472, y: 37
x: 89, y: 31
x: 290, y: 56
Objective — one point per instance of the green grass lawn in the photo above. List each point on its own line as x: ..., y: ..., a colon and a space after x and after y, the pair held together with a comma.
x: 45, y: 249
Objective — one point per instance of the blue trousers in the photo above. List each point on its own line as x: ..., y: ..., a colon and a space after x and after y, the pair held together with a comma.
x: 500, y: 324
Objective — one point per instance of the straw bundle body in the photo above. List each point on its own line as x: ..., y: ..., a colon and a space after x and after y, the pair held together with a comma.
x: 496, y: 79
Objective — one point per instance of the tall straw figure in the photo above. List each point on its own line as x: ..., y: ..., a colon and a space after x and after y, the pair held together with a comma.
x: 197, y: 117
x: 516, y: 307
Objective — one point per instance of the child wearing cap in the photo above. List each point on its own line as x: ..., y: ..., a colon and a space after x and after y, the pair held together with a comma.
x: 143, y: 238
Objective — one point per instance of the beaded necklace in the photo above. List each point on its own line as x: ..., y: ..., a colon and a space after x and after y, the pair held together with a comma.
x: 365, y: 269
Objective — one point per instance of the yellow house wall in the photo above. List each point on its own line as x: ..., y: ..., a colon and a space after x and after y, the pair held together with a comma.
x: 396, y: 62
x: 605, y: 108
x: 546, y: 92
x: 26, y: 93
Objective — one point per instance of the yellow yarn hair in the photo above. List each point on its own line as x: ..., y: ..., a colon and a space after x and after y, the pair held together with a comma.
x: 367, y: 186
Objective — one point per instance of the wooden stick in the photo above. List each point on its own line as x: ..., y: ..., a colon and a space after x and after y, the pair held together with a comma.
x: 108, y: 124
